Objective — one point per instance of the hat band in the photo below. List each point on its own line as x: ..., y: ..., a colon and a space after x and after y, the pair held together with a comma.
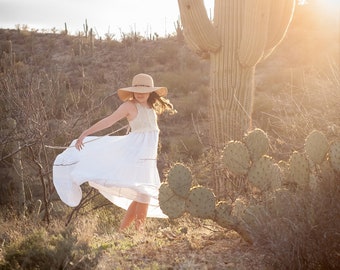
x: 141, y: 85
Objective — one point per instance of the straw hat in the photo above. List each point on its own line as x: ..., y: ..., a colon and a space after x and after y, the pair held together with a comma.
x: 141, y: 83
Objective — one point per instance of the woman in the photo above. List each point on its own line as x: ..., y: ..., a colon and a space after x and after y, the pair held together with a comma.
x: 122, y: 168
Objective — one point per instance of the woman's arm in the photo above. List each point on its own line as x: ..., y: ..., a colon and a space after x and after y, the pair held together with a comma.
x: 122, y: 112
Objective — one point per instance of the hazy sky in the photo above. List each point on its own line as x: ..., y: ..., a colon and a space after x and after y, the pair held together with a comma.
x: 104, y: 16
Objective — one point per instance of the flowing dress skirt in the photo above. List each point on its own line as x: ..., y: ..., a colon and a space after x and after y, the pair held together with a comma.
x: 122, y: 168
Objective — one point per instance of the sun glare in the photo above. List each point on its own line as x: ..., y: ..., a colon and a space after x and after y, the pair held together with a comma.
x: 329, y: 8
x: 324, y: 7
x: 331, y: 3
x: 325, y: 3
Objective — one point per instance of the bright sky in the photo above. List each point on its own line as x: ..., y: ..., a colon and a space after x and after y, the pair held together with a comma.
x: 104, y: 16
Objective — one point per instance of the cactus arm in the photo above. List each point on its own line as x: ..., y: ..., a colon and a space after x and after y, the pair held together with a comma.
x: 242, y: 34
x: 254, y: 31
x: 199, y: 32
x: 280, y: 17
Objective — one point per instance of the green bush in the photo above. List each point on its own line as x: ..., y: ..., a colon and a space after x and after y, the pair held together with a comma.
x: 43, y: 249
x: 40, y: 250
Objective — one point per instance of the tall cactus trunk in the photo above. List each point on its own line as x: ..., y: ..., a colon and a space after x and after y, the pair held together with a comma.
x: 243, y: 33
x: 230, y: 108
x: 232, y: 85
x: 231, y: 98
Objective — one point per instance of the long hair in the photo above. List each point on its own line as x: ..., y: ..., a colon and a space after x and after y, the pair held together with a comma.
x: 160, y: 104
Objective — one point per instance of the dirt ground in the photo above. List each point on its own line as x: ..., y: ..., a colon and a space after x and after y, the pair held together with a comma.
x: 200, y: 246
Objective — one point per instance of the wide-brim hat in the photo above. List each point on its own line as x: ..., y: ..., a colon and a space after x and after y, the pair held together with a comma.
x: 141, y: 83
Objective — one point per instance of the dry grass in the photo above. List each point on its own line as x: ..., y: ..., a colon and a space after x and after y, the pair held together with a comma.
x: 93, y: 243
x: 302, y: 231
x: 288, y: 115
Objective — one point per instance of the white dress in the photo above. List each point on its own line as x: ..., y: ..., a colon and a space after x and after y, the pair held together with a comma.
x: 122, y: 168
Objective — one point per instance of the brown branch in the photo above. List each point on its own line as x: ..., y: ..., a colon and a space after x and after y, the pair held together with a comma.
x: 85, y: 200
x: 40, y: 167
x: 16, y: 151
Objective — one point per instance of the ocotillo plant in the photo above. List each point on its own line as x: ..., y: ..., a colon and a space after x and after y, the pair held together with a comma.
x: 242, y: 34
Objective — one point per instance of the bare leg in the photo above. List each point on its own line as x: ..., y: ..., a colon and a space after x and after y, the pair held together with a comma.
x: 141, y: 211
x: 129, y: 216
x: 136, y: 211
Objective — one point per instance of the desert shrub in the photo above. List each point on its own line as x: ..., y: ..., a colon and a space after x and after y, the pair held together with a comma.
x: 192, y: 146
x: 185, y: 148
x: 39, y: 250
x: 167, y: 54
x: 303, y: 232
x: 44, y: 105
x: 108, y: 218
x: 31, y: 246
x: 128, y: 39
x: 184, y: 82
x: 305, y: 104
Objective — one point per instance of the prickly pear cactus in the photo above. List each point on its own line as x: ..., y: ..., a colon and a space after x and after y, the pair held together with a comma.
x: 254, y: 215
x: 284, y: 167
x: 265, y: 174
x: 257, y: 143
x: 236, y: 157
x: 299, y: 169
x: 179, y: 179
x: 172, y: 205
x: 280, y: 203
x: 313, y: 181
x: 327, y: 171
x: 223, y: 215
x: 239, y: 206
x: 334, y: 156
x: 201, y: 202
x: 307, y: 170
x: 316, y: 146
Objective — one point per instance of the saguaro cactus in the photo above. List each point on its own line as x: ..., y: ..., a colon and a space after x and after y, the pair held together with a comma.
x: 242, y: 34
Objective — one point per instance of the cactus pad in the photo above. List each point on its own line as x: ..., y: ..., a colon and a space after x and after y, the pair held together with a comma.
x: 179, y: 179
x: 257, y: 143
x: 334, y: 156
x: 326, y: 171
x: 284, y: 167
x: 299, y: 169
x: 316, y: 146
x: 223, y: 215
x: 239, y: 206
x: 172, y: 205
x: 265, y: 174
x: 236, y: 157
x: 313, y: 181
x: 201, y: 202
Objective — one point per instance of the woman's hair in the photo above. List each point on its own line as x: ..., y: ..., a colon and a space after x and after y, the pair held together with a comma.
x: 160, y: 104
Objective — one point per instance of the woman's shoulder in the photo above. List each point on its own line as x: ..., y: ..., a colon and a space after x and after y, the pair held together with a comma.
x: 129, y: 108
x: 128, y: 105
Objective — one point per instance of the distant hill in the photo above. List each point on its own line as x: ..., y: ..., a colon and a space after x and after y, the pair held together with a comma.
x: 102, y: 66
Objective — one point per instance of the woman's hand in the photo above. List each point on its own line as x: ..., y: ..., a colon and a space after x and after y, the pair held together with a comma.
x: 123, y: 110
x: 79, y: 144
